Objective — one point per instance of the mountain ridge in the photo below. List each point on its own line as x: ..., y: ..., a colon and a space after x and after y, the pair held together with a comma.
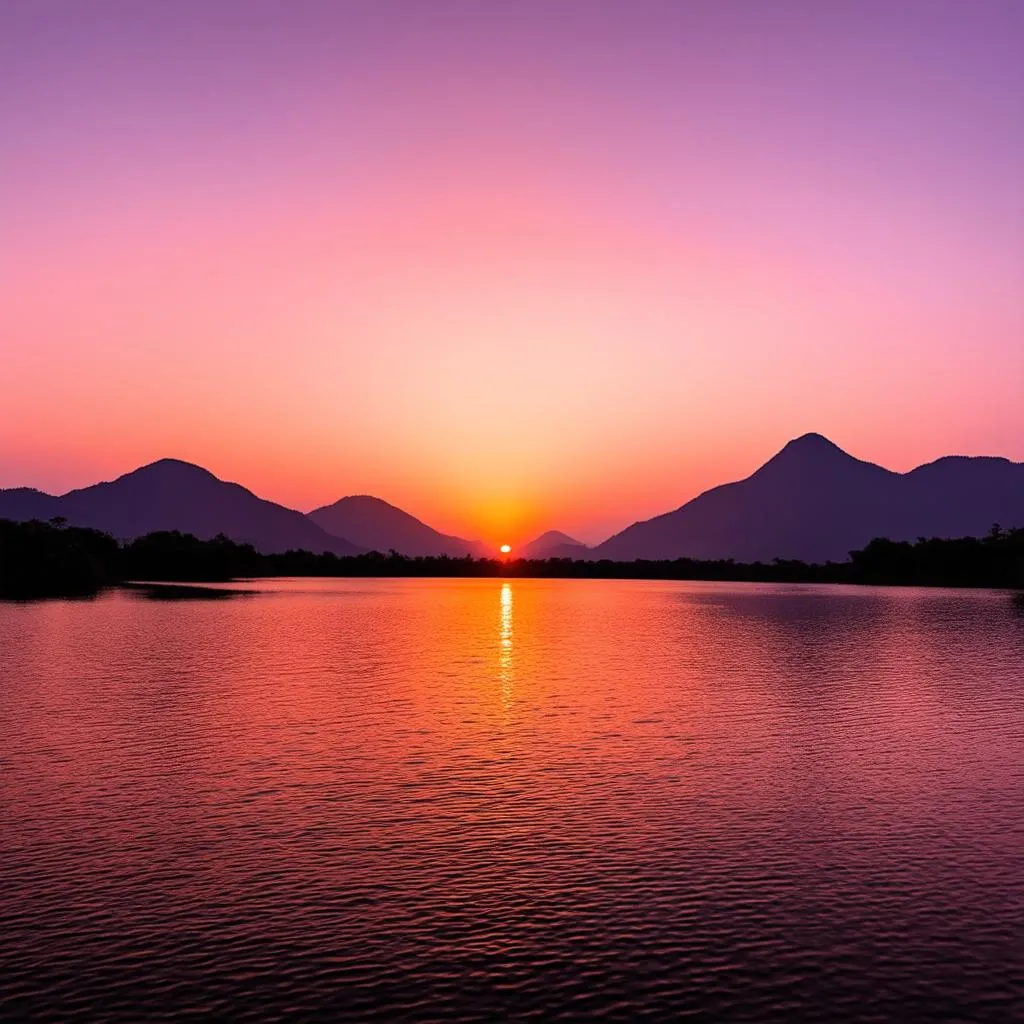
x: 553, y: 544
x: 376, y: 524
x: 810, y: 501
x: 171, y: 494
x: 814, y: 501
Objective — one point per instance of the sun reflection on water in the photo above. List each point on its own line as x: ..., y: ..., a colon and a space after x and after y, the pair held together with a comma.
x: 505, y: 655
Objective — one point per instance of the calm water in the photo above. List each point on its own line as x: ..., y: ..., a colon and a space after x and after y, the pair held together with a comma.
x: 474, y: 800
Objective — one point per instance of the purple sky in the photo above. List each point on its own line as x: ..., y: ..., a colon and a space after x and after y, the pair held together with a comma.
x: 510, y: 266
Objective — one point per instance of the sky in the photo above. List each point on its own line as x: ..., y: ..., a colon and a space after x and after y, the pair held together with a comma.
x: 510, y: 266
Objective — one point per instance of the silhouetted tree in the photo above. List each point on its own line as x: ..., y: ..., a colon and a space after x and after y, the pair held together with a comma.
x: 40, y: 559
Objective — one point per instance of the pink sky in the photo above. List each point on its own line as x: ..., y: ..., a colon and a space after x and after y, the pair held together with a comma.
x: 511, y: 267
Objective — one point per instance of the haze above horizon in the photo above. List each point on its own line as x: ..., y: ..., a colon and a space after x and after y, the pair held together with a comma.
x: 512, y: 267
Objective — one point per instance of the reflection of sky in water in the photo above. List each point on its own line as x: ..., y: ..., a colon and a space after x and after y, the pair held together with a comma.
x: 671, y: 796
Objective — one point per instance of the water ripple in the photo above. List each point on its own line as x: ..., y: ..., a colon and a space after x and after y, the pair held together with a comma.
x: 550, y: 800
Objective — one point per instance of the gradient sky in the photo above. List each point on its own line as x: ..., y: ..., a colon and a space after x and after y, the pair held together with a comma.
x: 511, y: 266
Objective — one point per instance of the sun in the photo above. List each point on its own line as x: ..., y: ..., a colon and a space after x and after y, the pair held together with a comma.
x: 505, y: 548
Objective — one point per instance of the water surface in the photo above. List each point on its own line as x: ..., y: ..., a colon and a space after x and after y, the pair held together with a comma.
x: 469, y: 799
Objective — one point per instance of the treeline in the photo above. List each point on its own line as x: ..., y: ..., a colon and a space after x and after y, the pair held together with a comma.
x: 43, y: 560
x: 52, y: 559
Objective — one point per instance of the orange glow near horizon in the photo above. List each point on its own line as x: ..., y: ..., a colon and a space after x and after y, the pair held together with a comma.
x: 525, y: 273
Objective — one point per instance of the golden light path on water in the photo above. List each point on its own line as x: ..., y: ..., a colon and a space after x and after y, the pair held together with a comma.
x: 505, y: 656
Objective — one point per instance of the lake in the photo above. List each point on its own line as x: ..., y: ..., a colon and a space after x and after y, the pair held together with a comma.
x: 477, y: 800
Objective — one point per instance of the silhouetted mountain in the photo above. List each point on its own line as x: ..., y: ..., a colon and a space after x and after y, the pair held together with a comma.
x: 174, y: 495
x: 377, y: 526
x: 24, y: 503
x: 812, y: 501
x: 553, y: 544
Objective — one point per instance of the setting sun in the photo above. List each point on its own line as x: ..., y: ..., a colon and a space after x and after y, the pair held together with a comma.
x: 505, y: 549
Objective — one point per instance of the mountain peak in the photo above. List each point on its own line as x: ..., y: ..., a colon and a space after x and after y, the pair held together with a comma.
x: 556, y: 537
x: 174, y: 465
x: 171, y: 469
x: 553, y: 544
x: 377, y: 525
x: 364, y: 501
x: 812, y: 454
x: 812, y: 442
x: 809, y: 450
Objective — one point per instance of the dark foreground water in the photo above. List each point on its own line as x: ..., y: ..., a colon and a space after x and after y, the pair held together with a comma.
x: 483, y: 800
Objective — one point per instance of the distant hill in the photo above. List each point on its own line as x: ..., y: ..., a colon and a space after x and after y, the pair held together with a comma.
x: 174, y: 495
x: 24, y: 503
x: 553, y: 544
x: 377, y: 526
x: 813, y: 501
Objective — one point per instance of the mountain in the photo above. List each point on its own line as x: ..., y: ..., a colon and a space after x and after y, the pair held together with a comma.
x: 23, y: 503
x: 377, y: 526
x: 813, y: 501
x: 553, y: 544
x: 174, y: 495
